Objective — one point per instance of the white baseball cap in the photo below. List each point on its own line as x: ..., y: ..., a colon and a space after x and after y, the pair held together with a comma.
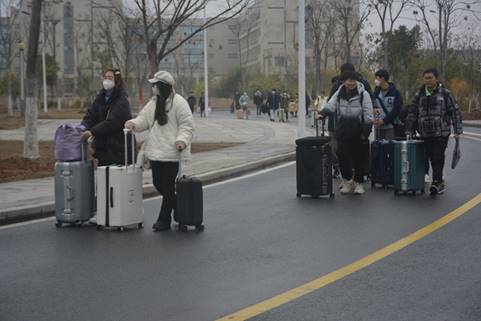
x: 163, y: 76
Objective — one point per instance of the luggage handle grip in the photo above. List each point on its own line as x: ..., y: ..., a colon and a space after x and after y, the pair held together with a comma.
x: 111, y: 197
x: 126, y: 132
x: 69, y: 195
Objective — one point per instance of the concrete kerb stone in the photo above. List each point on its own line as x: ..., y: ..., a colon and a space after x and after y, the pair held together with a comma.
x: 475, y: 124
x: 47, y: 209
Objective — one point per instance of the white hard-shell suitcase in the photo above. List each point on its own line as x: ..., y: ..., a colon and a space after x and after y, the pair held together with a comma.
x: 119, y: 194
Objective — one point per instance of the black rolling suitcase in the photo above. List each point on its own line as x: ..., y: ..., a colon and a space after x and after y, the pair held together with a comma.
x: 314, y: 165
x: 190, y: 204
x: 382, y: 163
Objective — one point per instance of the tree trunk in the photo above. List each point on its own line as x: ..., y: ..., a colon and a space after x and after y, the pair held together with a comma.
x: 152, y: 54
x: 30, y: 146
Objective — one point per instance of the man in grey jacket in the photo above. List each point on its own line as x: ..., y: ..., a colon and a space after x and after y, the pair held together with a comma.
x: 352, y: 107
x: 433, y: 111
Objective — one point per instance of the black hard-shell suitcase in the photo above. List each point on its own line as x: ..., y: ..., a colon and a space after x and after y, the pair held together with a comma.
x: 314, y: 166
x: 382, y: 163
x: 190, y: 204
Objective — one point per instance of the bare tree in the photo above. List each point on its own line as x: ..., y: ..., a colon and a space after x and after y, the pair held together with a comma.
x: 321, y: 21
x: 351, y: 16
x: 168, y: 15
x: 30, y: 145
x: 236, y: 27
x: 388, y: 12
x: 447, y: 15
x: 7, y: 44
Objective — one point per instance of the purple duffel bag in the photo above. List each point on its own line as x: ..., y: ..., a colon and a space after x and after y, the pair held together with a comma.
x: 69, y: 146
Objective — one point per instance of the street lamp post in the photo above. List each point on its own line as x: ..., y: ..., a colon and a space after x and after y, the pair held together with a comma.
x: 23, y: 103
x: 301, y: 129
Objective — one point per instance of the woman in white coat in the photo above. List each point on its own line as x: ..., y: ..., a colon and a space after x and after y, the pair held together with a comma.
x: 169, y: 120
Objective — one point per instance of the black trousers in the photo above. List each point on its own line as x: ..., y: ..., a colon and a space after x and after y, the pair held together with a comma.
x: 349, y: 153
x: 435, y: 154
x: 163, y: 176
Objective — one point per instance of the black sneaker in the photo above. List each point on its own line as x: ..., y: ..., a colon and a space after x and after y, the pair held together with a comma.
x: 160, y: 226
x: 336, y: 173
x: 437, y: 188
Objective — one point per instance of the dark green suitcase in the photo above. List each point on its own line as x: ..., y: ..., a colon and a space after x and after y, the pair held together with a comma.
x: 409, y: 165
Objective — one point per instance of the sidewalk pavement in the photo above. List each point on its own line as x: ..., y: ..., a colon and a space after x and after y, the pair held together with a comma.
x: 263, y: 144
x: 472, y: 123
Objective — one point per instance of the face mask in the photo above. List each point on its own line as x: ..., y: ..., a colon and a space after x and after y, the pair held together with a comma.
x: 108, y: 84
x: 155, y: 91
x: 377, y: 82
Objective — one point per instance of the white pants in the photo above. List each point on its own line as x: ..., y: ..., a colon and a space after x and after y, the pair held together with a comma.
x: 272, y: 113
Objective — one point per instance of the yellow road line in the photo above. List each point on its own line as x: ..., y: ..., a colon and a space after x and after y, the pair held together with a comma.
x: 327, y: 279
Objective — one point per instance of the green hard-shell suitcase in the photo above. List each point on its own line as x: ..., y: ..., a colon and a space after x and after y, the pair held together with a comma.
x: 409, y: 163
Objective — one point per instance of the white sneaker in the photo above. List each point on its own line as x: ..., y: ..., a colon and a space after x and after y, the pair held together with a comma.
x: 358, y: 188
x: 342, y: 182
x: 347, y: 187
x: 93, y: 220
x: 427, y: 179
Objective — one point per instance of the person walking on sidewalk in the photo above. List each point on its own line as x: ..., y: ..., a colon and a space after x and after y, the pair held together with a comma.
x: 273, y: 101
x: 192, y: 102
x: 352, y: 107
x: 258, y: 101
x: 105, y: 119
x: 202, y: 105
x: 434, y: 110
x: 389, y: 102
x: 284, y: 107
x: 244, y: 103
x: 169, y: 120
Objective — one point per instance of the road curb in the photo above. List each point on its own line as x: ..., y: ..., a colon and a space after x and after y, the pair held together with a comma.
x: 26, y: 213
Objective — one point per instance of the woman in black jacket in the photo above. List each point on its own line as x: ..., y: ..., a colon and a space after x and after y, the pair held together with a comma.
x: 105, y: 121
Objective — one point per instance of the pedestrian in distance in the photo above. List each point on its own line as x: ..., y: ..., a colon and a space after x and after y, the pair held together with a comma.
x: 169, y: 122
x: 433, y: 111
x: 352, y: 107
x: 192, y: 101
x: 202, y: 105
x: 244, y: 103
x: 258, y: 101
x: 283, y: 113
x: 273, y: 101
x: 389, y: 103
x: 104, y: 121
x: 308, y: 104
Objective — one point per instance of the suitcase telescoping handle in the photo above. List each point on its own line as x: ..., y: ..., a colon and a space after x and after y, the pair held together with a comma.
x: 323, y: 126
x: 126, y: 133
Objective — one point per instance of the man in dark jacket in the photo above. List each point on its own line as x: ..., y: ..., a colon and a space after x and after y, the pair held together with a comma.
x: 389, y: 103
x: 258, y: 100
x: 273, y: 100
x: 434, y: 110
x: 192, y: 101
x: 105, y: 121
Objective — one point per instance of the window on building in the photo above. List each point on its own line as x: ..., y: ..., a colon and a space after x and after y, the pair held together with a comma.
x: 280, y: 61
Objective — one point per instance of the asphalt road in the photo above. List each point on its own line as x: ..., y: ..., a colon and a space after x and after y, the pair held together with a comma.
x: 260, y: 240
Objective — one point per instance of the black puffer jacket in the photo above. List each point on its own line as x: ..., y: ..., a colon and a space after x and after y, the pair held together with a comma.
x: 434, y: 115
x: 106, y: 119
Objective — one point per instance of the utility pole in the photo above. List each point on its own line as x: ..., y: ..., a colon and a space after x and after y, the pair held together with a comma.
x: 301, y: 129
x: 206, y: 67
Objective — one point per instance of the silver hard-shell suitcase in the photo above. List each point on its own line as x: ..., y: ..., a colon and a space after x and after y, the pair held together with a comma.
x: 74, y: 192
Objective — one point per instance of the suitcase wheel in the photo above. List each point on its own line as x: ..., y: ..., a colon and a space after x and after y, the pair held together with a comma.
x: 140, y: 225
x: 200, y: 228
x: 183, y: 228
x: 396, y: 192
x: 120, y: 228
x: 332, y: 195
x: 298, y: 195
x: 58, y: 224
x: 99, y: 228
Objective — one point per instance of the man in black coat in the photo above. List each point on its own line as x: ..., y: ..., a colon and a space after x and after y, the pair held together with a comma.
x: 192, y: 102
x: 273, y: 101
